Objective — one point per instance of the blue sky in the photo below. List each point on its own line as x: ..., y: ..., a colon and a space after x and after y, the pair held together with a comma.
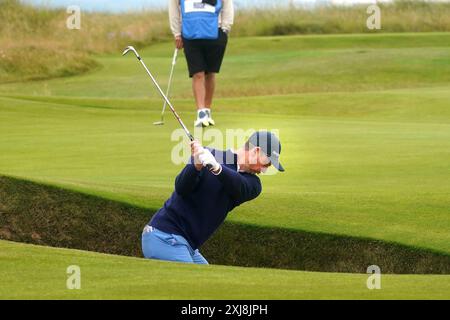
x: 126, y: 5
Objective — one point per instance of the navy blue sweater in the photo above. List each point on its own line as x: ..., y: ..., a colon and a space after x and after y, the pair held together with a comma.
x: 202, y: 200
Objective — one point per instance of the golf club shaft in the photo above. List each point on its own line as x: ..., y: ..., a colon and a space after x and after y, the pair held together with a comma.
x: 190, y: 136
x: 174, y: 61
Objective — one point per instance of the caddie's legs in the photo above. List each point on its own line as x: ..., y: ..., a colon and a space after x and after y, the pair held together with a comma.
x: 210, y: 86
x: 198, y: 87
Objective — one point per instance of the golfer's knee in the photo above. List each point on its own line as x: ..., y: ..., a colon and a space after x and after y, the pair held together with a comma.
x: 198, y: 76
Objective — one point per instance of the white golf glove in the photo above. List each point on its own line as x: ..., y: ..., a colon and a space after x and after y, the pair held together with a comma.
x: 206, y: 158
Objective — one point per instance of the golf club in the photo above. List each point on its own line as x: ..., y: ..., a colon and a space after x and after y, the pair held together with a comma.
x: 130, y: 48
x: 190, y: 136
x: 174, y: 61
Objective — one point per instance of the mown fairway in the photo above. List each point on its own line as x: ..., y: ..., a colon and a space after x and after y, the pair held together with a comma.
x: 113, y: 277
x: 364, y: 122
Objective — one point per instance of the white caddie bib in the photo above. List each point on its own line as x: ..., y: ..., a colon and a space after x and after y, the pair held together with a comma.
x: 198, y: 6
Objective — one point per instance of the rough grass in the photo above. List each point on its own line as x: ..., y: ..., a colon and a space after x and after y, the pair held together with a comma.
x: 36, y: 43
x: 37, y: 61
x: 399, y: 16
x: 45, y: 215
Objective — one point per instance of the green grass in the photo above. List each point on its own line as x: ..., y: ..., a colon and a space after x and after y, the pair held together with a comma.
x: 68, y: 219
x: 292, y: 65
x: 30, y: 272
x: 36, y: 43
x: 364, y: 122
x: 365, y: 163
x: 353, y: 175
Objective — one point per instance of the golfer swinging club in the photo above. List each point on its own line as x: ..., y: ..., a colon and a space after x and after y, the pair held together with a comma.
x: 202, y: 198
x: 202, y: 27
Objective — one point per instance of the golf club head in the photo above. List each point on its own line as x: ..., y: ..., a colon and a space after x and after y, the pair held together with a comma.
x: 128, y: 49
x: 158, y: 123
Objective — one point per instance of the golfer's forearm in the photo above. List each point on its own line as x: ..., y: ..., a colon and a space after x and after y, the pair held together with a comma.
x: 186, y: 181
x: 227, y: 15
x: 175, y: 17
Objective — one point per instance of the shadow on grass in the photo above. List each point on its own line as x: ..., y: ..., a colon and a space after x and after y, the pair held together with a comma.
x: 46, y: 215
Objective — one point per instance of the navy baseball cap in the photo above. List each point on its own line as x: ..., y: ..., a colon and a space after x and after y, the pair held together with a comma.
x: 269, y: 144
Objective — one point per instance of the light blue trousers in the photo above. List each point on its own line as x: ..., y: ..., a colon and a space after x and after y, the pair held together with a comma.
x: 171, y: 247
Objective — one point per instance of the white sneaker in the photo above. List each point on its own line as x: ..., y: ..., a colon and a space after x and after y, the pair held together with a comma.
x: 210, y: 119
x: 202, y: 118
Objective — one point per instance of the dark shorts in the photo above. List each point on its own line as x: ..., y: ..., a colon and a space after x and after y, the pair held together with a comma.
x: 205, y: 55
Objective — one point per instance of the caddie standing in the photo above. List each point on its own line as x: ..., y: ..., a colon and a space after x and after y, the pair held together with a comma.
x: 201, y: 27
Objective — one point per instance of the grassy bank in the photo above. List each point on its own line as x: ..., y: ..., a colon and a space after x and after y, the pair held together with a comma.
x: 33, y: 272
x: 36, y: 43
x: 45, y: 215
